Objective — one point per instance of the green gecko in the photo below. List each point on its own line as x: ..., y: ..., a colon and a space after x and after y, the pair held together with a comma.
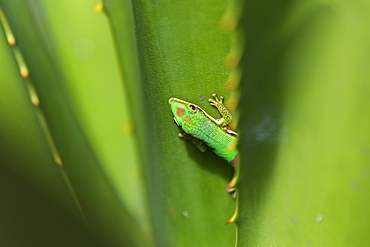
x: 204, y: 130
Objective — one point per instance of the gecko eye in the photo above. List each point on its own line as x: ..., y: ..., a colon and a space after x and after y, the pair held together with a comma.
x: 192, y: 107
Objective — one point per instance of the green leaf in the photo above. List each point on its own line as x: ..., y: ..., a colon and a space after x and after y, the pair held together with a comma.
x: 182, y: 52
x: 305, y: 137
x: 74, y: 161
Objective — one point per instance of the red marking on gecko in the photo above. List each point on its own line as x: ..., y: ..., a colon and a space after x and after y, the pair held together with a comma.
x: 234, y: 162
x: 180, y: 112
x: 187, y: 119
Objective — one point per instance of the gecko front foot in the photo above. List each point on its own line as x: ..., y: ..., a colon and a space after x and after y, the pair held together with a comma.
x: 182, y: 135
x: 226, y: 116
x: 198, y: 143
x: 217, y: 101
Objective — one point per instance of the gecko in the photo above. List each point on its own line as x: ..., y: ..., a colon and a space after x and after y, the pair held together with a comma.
x: 204, y: 130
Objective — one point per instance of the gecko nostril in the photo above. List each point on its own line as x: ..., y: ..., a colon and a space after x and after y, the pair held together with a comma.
x: 192, y: 107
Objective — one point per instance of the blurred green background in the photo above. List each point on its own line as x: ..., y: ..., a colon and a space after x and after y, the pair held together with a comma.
x: 97, y: 162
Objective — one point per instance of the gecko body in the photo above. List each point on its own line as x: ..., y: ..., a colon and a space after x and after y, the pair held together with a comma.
x: 204, y: 130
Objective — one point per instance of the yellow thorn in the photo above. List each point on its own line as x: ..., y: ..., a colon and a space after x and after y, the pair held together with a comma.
x: 24, y: 71
x: 33, y: 95
x: 98, y: 8
x: 11, y: 40
x: 234, y: 124
x: 232, y: 219
x: 22, y: 65
x: 233, y: 101
x: 58, y: 160
x: 8, y: 32
x: 232, y: 60
x: 49, y: 138
x: 231, y: 16
x: 232, y: 82
x: 128, y: 128
x: 227, y: 24
x: 35, y: 100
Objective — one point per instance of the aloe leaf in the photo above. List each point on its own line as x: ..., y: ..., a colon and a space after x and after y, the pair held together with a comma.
x: 32, y: 218
x: 96, y: 91
x: 63, y: 140
x: 305, y: 136
x: 182, y: 53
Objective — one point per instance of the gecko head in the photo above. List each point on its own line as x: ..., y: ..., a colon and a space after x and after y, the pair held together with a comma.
x: 183, y: 111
